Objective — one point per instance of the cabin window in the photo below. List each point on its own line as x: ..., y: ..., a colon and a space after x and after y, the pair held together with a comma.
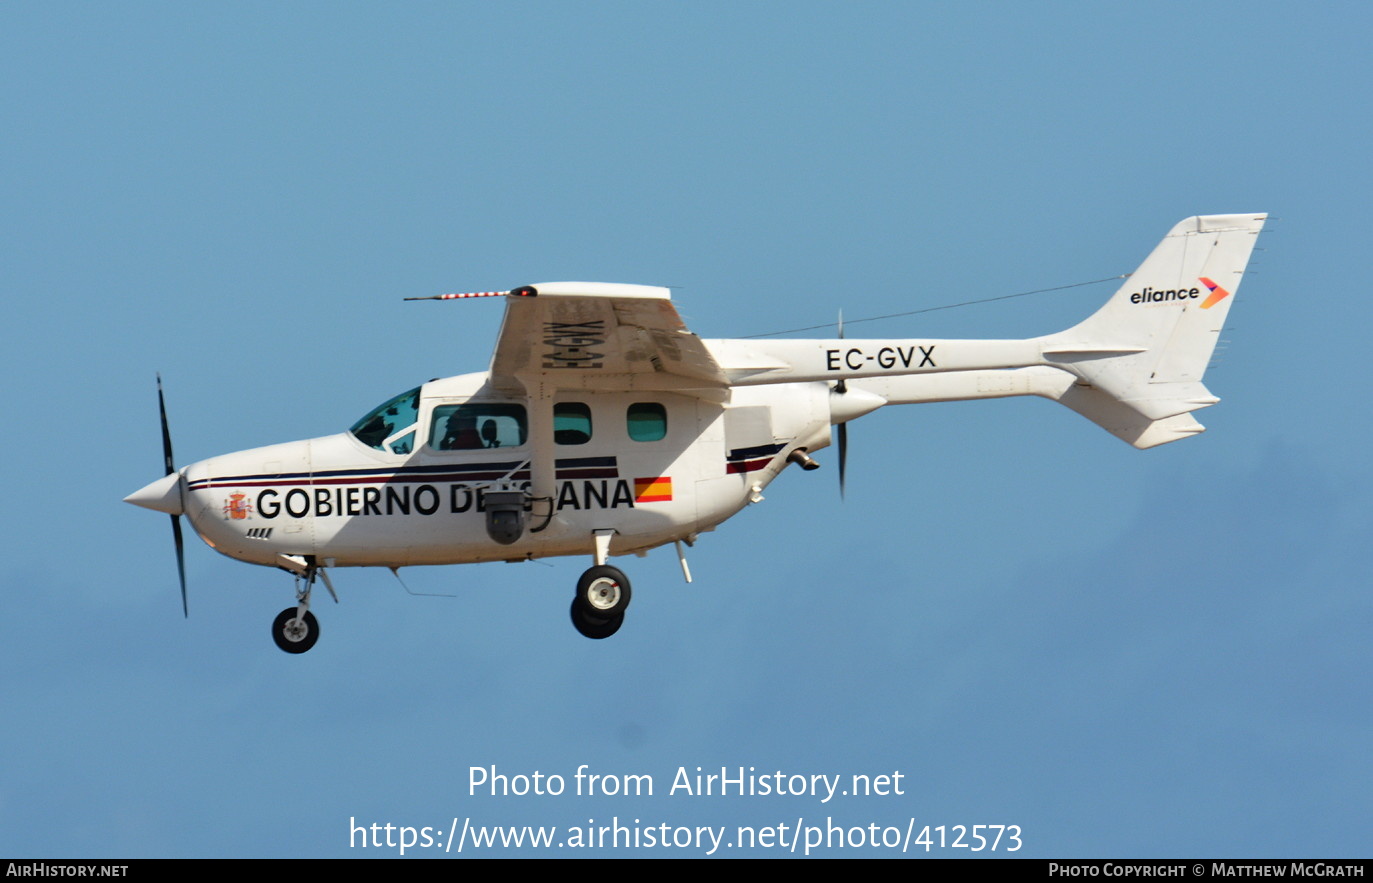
x: 647, y: 421
x: 571, y: 423
x: 478, y: 425
x: 388, y: 420
x: 403, y: 445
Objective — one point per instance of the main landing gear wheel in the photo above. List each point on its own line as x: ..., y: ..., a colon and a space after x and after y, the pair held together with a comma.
x: 592, y: 626
x: 603, y: 592
x: 295, y: 635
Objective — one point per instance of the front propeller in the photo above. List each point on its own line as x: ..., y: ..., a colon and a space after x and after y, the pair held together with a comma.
x: 164, y: 495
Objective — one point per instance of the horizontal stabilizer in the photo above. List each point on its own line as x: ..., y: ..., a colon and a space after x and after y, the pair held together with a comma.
x: 1126, y: 423
x: 1166, y: 399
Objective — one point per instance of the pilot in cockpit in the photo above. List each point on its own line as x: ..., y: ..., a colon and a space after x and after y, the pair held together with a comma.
x: 489, y: 437
x: 460, y: 433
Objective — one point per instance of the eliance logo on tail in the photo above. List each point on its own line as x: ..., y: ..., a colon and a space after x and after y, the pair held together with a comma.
x: 1150, y: 296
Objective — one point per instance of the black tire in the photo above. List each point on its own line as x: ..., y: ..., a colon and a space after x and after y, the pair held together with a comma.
x: 594, y: 627
x: 295, y: 640
x: 604, y: 592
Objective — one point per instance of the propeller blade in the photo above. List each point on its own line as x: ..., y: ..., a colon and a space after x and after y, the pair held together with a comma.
x: 169, y: 463
x: 843, y: 435
x: 180, y: 562
x: 166, y: 434
x: 843, y: 455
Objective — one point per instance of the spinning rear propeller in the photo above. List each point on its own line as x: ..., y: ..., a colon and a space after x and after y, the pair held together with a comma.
x: 842, y: 433
x: 847, y: 404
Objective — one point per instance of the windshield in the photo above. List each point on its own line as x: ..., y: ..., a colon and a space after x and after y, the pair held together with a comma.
x: 386, y: 421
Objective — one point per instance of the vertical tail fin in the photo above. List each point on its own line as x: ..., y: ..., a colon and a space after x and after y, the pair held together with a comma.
x: 1148, y: 346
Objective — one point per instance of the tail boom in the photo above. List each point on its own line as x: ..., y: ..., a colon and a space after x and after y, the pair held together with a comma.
x: 1134, y: 367
x: 1117, y: 418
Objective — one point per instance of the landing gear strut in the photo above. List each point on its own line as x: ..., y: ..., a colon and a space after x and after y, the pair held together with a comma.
x: 295, y: 629
x: 603, y: 595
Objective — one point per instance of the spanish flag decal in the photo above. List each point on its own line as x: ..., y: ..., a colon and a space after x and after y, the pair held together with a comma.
x: 653, y: 490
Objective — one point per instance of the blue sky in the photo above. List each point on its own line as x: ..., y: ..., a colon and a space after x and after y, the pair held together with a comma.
x: 1125, y: 653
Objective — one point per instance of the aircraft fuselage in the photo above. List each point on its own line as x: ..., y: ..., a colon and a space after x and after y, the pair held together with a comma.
x: 340, y: 500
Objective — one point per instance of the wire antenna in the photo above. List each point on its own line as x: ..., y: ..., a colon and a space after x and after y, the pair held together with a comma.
x: 966, y: 303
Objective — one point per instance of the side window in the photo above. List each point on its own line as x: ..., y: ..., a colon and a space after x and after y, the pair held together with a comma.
x: 571, y: 423
x: 647, y: 421
x: 477, y: 425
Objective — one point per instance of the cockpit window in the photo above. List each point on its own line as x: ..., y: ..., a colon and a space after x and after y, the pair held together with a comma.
x: 403, y: 445
x: 396, y: 416
x: 478, y: 425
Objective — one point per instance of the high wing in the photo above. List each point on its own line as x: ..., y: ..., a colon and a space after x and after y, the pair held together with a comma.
x: 594, y: 335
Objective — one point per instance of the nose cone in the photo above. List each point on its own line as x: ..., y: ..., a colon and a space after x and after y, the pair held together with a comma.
x: 163, y: 495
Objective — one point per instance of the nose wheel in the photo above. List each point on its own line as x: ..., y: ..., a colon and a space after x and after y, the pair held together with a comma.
x: 603, y: 595
x: 295, y: 633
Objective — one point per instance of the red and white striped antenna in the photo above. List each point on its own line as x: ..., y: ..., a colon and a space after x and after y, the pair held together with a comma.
x: 461, y: 294
x: 522, y: 291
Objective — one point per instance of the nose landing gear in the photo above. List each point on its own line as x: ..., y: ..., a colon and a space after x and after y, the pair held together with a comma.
x: 295, y: 629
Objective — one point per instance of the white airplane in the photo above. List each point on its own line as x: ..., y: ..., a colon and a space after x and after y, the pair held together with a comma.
x: 604, y: 427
